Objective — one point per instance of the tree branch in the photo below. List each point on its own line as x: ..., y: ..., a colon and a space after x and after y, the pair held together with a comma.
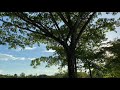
x: 53, y: 19
x: 21, y: 27
x: 46, y: 32
x: 28, y: 20
x: 78, y: 21
x: 68, y: 16
x: 70, y: 23
x: 76, y: 24
x: 32, y: 22
x: 84, y: 26
x: 64, y: 20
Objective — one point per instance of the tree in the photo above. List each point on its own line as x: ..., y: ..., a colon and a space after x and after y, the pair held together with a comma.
x: 15, y: 75
x: 64, y: 29
x: 22, y: 75
x: 112, y: 59
x: 91, y: 59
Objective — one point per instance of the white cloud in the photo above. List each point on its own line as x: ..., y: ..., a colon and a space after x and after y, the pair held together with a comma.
x: 50, y: 51
x: 7, y: 57
x: 30, y: 58
x: 26, y: 48
x: 29, y: 48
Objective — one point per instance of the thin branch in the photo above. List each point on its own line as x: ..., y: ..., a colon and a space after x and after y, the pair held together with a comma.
x: 19, y: 26
x: 63, y: 18
x: 43, y: 29
x: 69, y: 34
x: 78, y: 21
x: 53, y: 19
x: 68, y: 16
x: 25, y: 18
x: 28, y: 20
x: 44, y: 26
x: 75, y: 26
x: 70, y: 23
x: 84, y: 26
x: 28, y: 29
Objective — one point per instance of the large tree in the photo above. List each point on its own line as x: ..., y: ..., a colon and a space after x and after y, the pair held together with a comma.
x: 65, y: 29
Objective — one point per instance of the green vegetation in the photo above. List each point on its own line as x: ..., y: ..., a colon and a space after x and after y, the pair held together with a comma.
x: 57, y: 75
x: 76, y: 38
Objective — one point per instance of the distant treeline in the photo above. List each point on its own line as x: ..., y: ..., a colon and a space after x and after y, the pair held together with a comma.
x: 57, y: 75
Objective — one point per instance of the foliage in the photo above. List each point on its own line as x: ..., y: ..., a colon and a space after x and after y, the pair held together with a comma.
x: 88, y: 39
x: 112, y: 59
x: 56, y: 75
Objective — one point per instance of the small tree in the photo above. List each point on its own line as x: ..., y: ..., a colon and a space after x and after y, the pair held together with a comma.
x: 22, y: 75
x: 15, y: 75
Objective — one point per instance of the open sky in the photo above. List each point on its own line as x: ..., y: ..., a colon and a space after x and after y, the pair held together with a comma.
x: 17, y: 61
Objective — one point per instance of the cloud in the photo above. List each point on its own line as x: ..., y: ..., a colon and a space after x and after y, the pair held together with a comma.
x: 26, y: 48
x: 29, y: 48
x: 7, y: 57
x: 49, y: 51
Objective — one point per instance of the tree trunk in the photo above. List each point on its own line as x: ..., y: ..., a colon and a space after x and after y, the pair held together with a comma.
x: 71, y: 55
x: 90, y: 70
x: 72, y: 70
x: 75, y: 67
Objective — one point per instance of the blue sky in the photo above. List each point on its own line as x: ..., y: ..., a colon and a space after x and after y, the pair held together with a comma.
x: 17, y: 61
